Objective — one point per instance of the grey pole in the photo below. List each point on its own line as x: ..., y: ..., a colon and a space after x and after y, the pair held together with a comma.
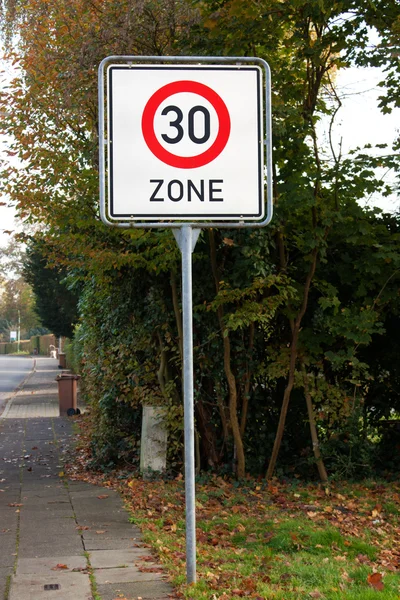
x: 186, y: 239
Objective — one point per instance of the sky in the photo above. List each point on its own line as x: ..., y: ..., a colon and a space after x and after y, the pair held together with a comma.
x: 358, y: 122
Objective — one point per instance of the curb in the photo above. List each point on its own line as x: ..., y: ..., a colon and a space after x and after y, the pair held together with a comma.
x: 17, y: 389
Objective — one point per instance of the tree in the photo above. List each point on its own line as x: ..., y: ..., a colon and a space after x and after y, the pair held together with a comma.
x: 56, y: 304
x: 17, y: 303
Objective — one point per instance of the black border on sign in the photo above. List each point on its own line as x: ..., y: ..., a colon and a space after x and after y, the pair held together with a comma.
x: 179, y: 216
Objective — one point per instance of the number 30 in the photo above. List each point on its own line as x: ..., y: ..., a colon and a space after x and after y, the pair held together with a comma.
x: 179, y: 129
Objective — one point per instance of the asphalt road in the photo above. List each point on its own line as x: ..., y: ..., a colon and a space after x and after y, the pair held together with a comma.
x: 13, y: 370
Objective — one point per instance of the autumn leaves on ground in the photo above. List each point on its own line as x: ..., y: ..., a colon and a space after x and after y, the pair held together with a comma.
x: 275, y: 541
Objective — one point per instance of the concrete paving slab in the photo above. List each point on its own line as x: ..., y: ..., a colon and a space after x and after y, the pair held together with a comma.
x: 154, y: 590
x: 93, y: 544
x: 73, y: 586
x: 105, y: 504
x: 22, y: 411
x: 47, y: 512
x: 77, y: 484
x: 30, y: 504
x: 83, y: 489
x: 85, y: 496
x: 36, y: 486
x: 47, y: 566
x: 125, y: 575
x: 49, y: 501
x: 49, y: 531
x: 63, y: 545
x: 48, y: 495
x: 114, y: 521
x: 101, y: 559
x: 47, y: 516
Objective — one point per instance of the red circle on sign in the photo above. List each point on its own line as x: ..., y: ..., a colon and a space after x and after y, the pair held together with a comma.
x: 174, y: 160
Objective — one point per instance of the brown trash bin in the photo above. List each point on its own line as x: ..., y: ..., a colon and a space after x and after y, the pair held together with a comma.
x: 62, y: 360
x: 68, y: 394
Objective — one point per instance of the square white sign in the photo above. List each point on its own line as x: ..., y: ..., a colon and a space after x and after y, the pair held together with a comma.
x: 185, y: 142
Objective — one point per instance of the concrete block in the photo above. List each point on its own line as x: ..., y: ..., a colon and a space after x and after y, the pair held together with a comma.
x: 153, y: 447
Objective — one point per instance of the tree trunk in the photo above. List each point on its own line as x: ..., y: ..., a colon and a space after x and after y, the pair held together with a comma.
x: 246, y: 391
x: 161, y: 369
x: 313, y: 430
x: 207, y: 436
x: 292, y: 367
x: 177, y: 312
x: 285, y: 405
x: 234, y: 421
x: 222, y: 411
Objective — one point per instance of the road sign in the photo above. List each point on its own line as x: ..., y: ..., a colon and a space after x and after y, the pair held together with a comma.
x: 185, y: 142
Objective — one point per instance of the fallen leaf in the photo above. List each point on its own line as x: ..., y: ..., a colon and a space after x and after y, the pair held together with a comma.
x: 375, y: 581
x: 362, y: 558
x: 59, y: 567
x: 102, y: 496
x: 150, y: 569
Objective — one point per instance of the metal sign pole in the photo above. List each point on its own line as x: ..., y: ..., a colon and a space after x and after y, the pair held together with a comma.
x: 186, y: 238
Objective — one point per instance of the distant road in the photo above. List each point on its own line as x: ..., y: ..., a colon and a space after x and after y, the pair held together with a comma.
x: 13, y: 370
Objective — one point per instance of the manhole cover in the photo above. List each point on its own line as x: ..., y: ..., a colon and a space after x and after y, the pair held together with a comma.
x: 52, y: 586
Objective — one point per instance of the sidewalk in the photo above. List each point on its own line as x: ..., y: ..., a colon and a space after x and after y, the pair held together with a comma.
x: 55, y: 532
